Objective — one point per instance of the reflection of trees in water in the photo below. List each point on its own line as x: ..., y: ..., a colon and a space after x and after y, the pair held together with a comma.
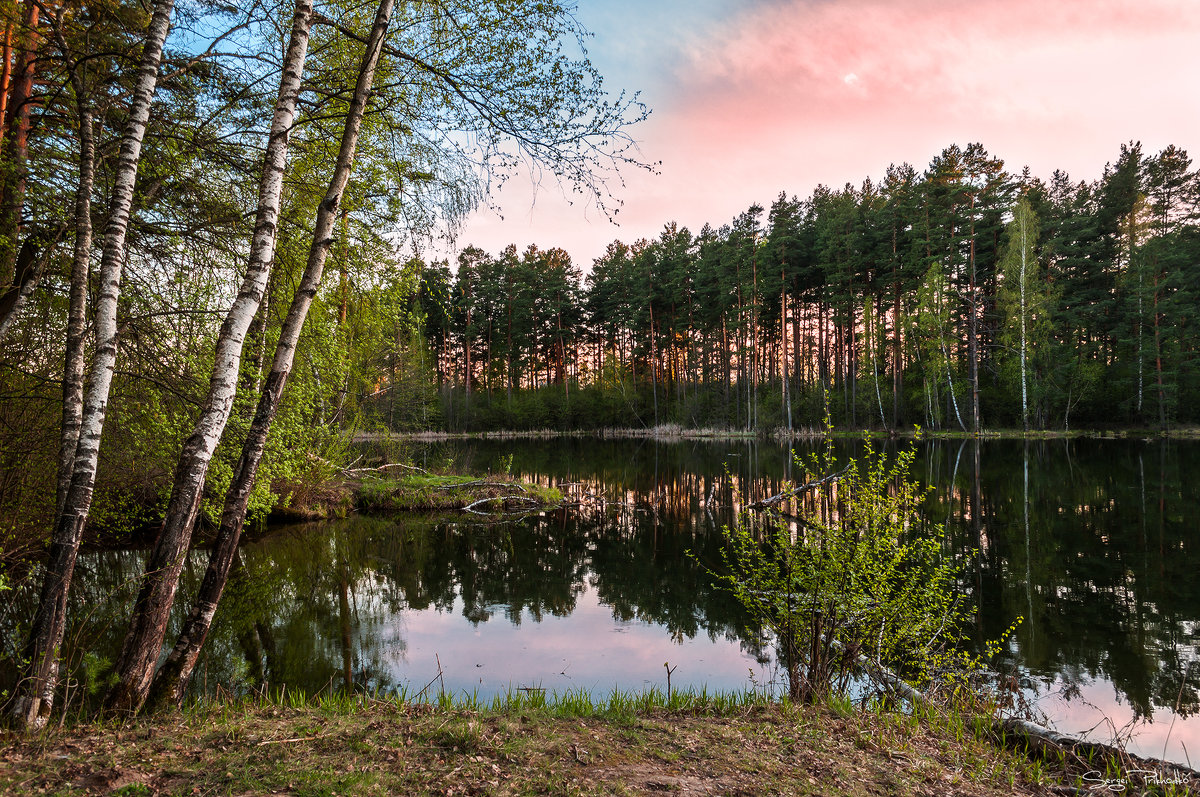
x: 318, y: 600
x: 1105, y: 577
x: 1096, y: 548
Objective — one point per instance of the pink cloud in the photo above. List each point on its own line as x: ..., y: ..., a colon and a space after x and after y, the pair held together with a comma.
x: 1022, y: 68
x: 786, y: 95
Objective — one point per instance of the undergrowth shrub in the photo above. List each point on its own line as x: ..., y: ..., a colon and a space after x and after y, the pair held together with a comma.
x: 855, y: 581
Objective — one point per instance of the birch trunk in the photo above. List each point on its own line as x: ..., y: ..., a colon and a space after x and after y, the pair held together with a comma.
x: 73, y: 360
x: 35, y: 695
x: 143, y: 642
x: 171, y: 682
x: 1024, y: 389
x: 72, y: 388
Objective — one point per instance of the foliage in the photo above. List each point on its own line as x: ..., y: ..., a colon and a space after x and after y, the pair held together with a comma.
x: 860, y: 578
x: 901, y: 297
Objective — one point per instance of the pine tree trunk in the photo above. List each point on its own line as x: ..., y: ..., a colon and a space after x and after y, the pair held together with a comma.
x: 35, y: 695
x: 15, y: 149
x: 171, y: 681
x: 5, y: 73
x: 143, y: 643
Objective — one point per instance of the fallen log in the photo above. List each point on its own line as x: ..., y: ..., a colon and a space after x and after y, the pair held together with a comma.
x: 480, y: 483
x: 1051, y: 745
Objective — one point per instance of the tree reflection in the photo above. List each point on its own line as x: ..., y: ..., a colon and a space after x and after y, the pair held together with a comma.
x: 1092, y: 541
x: 1097, y: 551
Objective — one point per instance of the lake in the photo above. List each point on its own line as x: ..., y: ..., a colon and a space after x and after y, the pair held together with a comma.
x: 1094, y: 542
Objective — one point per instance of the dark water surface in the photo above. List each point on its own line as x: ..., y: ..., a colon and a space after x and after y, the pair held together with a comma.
x: 1096, y: 543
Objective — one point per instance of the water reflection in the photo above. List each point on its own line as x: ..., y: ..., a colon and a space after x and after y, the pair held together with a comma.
x: 1093, y: 542
x: 562, y: 600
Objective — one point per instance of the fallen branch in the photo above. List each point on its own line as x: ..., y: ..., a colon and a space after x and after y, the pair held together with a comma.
x: 471, y: 507
x: 349, y: 471
x: 1053, y: 745
x: 297, y: 739
x: 795, y: 491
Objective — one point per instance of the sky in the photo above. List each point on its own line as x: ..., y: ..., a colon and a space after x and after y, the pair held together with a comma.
x: 756, y: 97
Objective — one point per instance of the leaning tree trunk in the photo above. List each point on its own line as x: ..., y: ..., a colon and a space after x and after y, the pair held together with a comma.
x: 171, y: 682
x: 143, y: 643
x: 72, y: 387
x: 30, y: 261
x: 34, y: 696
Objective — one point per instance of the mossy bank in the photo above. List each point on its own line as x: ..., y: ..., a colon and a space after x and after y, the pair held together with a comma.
x: 373, y: 490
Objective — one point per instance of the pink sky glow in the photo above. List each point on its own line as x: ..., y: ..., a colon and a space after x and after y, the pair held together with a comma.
x: 753, y: 98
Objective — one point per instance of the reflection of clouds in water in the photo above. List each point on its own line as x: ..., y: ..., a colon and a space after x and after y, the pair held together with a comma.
x: 1094, y: 710
x: 588, y: 650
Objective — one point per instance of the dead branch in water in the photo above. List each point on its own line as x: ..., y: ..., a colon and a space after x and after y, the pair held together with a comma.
x: 795, y: 491
x: 349, y: 471
x: 471, y: 506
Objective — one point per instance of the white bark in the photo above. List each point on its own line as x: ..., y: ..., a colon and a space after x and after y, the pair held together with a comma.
x: 950, y: 384
x: 171, y: 681
x: 144, y: 640
x: 1024, y: 394
x: 35, y: 695
x: 73, y: 360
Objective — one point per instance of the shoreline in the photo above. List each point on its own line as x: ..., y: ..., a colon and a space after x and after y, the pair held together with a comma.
x: 670, y: 432
x: 684, y: 742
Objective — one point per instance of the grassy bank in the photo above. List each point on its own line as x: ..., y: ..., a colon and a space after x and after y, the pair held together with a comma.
x: 669, y: 432
x: 525, y: 746
x: 389, y: 488
x: 572, y: 744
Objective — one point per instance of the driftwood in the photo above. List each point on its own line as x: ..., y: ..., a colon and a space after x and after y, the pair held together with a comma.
x: 349, y: 471
x: 471, y: 506
x: 1133, y: 769
x: 795, y: 491
x: 1052, y: 745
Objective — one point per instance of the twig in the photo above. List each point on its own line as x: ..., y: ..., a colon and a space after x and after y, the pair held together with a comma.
x: 778, y: 499
x: 471, y: 507
x: 425, y: 688
x: 297, y: 739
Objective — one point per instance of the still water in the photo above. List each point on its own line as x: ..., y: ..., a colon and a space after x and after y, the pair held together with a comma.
x: 1093, y: 542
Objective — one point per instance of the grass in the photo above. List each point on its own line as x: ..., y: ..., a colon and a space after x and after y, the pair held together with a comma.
x: 528, y: 742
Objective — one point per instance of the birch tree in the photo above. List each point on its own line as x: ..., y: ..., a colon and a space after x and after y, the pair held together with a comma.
x: 136, y: 676
x: 555, y: 127
x: 35, y: 694
x: 140, y: 651
x: 1022, y: 300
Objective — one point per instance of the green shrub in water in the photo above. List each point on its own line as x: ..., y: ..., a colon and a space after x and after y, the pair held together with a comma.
x: 854, y: 581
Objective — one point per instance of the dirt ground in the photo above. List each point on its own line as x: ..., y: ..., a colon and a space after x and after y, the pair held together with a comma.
x: 388, y: 749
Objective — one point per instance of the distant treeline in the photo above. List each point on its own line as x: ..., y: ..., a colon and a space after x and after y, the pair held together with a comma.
x: 962, y: 297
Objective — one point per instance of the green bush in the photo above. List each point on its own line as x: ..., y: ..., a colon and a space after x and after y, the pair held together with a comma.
x: 849, y: 582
